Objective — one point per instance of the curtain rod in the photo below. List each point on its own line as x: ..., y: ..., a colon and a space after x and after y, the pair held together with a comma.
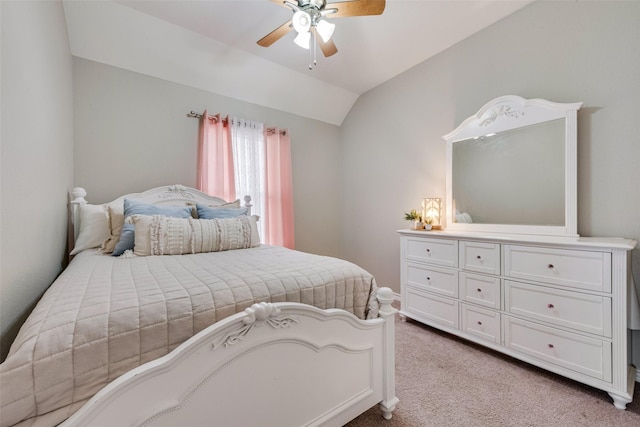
x: 224, y: 120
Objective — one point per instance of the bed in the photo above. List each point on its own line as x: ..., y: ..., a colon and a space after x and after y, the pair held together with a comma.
x: 197, y: 323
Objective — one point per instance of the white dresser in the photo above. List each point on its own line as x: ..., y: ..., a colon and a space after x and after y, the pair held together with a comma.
x: 555, y: 302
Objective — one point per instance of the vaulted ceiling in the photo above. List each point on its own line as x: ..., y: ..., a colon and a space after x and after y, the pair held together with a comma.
x: 211, y: 45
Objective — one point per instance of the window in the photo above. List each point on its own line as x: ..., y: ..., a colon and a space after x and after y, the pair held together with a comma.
x: 238, y: 157
x: 249, y: 162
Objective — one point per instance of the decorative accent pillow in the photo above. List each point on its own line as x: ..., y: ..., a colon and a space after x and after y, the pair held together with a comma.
x: 94, y: 227
x: 213, y: 212
x: 116, y: 219
x: 161, y: 235
x: 126, y: 240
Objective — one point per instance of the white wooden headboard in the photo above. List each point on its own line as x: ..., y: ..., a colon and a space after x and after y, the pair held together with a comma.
x: 173, y: 195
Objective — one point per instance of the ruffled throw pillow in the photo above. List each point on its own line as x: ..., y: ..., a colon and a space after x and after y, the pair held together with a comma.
x: 162, y: 235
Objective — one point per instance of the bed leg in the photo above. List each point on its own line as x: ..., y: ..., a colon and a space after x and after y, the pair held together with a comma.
x: 389, y: 399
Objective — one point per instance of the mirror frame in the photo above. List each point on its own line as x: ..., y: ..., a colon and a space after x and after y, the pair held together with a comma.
x: 512, y: 112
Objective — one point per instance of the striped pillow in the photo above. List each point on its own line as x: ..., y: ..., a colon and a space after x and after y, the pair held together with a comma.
x: 162, y: 235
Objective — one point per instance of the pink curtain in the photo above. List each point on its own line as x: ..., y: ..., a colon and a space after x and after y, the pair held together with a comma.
x: 279, y: 189
x: 215, y: 158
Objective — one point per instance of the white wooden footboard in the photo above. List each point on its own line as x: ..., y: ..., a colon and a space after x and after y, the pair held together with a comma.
x: 282, y: 364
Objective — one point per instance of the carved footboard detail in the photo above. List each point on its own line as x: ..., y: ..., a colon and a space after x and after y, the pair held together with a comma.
x: 257, y: 315
x: 327, y: 365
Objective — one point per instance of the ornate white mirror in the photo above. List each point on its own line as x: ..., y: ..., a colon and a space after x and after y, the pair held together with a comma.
x: 511, y: 168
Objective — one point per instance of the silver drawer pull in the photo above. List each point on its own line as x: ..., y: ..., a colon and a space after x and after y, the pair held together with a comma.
x: 550, y: 306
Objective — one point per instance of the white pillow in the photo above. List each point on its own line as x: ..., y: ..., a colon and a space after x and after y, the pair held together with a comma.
x: 162, y: 235
x: 94, y: 227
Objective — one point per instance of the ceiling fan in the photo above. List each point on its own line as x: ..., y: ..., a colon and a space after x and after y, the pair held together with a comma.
x: 308, y: 21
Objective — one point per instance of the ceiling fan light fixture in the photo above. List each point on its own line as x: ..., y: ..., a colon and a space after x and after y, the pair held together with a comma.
x: 325, y: 29
x: 303, y: 39
x: 301, y: 21
x: 308, y: 22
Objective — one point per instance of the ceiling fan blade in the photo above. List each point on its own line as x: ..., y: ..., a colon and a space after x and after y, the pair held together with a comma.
x: 276, y: 34
x: 356, y: 8
x: 328, y: 48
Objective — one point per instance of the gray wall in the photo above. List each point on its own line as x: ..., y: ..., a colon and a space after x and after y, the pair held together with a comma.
x: 36, y: 156
x: 561, y: 51
x: 132, y: 134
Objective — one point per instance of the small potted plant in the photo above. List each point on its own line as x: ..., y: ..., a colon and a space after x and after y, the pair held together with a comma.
x: 414, y: 216
x: 427, y: 223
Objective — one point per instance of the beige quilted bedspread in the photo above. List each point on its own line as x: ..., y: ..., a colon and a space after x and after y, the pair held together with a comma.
x: 104, y: 316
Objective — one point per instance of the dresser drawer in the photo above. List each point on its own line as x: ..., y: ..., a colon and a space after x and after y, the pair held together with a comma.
x: 576, y: 269
x: 443, y: 311
x: 481, y: 323
x: 438, y: 280
x: 587, y: 313
x: 479, y: 289
x: 581, y: 354
x: 480, y: 257
x: 434, y: 251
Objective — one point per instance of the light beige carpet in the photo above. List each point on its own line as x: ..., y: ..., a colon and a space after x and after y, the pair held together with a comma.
x: 442, y: 380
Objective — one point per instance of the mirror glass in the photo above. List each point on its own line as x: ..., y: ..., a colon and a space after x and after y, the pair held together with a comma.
x: 512, y: 168
x: 533, y: 159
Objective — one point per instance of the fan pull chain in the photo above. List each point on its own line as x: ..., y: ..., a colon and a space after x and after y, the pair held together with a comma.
x: 312, y: 61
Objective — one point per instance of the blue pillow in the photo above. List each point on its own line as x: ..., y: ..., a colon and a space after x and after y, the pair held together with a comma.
x: 132, y: 207
x: 126, y: 241
x: 209, y: 212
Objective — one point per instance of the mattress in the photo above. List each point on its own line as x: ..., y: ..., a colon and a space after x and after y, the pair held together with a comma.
x: 106, y: 315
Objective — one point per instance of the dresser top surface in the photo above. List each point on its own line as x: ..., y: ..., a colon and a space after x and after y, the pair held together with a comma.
x: 593, y: 242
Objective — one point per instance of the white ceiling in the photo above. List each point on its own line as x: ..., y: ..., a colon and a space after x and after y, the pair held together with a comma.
x: 371, y: 49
